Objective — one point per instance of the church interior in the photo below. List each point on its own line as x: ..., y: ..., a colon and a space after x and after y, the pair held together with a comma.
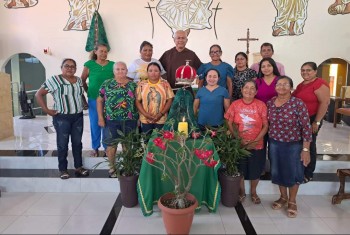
x: 36, y: 35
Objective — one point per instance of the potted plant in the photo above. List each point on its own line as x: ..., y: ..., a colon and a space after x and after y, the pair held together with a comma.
x: 230, y: 151
x: 127, y: 165
x: 169, y: 152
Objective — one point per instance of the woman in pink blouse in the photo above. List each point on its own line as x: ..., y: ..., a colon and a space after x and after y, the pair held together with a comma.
x: 289, y: 143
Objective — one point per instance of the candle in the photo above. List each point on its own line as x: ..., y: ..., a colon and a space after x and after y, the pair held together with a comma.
x: 183, y: 127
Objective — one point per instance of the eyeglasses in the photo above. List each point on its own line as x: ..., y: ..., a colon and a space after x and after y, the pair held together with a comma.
x: 282, y: 85
x: 306, y: 70
x: 66, y: 66
x: 215, y: 52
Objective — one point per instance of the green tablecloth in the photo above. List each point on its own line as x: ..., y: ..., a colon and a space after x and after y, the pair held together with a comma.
x: 205, y: 184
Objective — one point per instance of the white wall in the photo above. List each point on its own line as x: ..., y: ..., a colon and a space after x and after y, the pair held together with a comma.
x: 128, y: 23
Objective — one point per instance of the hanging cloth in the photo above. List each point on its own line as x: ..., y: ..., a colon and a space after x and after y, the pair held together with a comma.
x: 97, y: 33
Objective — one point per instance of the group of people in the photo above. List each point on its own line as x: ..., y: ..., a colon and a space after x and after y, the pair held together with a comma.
x: 271, y: 118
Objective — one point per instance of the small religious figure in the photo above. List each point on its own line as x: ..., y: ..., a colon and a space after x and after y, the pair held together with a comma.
x: 80, y: 14
x: 339, y: 7
x: 291, y: 16
x: 20, y: 3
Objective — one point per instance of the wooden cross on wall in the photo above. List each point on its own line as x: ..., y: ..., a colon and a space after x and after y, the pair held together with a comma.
x: 248, y: 39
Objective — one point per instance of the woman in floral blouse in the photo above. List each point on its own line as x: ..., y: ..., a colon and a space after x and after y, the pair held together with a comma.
x: 241, y: 74
x: 117, y: 96
x: 290, y: 137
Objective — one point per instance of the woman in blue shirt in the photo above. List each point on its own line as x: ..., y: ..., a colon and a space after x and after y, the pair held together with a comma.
x: 210, y: 101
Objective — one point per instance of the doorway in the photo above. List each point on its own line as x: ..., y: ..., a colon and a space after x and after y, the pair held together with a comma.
x: 26, y: 68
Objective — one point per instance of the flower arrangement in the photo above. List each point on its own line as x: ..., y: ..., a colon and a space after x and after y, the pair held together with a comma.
x: 179, y: 162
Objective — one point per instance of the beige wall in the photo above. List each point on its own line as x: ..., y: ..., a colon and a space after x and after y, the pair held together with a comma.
x: 128, y: 23
x: 6, y: 121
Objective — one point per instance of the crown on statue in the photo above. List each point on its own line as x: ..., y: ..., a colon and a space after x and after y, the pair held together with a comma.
x: 185, y: 74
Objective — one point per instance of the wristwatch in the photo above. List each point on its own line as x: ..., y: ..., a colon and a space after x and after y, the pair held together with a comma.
x: 306, y: 150
x: 318, y: 123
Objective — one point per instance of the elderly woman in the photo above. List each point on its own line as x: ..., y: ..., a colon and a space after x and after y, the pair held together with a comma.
x: 289, y: 141
x: 116, y: 110
x: 241, y: 74
x: 211, y: 97
x: 153, y: 99
x: 67, y: 90
x: 249, y: 115
x: 314, y: 92
x: 225, y: 69
x: 137, y: 70
x: 98, y: 69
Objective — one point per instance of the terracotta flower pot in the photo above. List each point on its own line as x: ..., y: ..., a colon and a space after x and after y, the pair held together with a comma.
x: 177, y: 221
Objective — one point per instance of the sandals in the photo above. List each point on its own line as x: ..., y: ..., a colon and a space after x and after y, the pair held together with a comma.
x: 292, y: 210
x: 255, y: 199
x: 307, y: 179
x: 281, y: 202
x: 112, y: 173
x: 64, y: 175
x: 241, y: 198
x: 94, y: 153
x: 81, y: 172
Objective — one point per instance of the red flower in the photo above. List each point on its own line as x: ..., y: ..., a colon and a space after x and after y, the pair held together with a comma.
x: 210, y: 163
x: 159, y: 143
x: 150, y: 157
x: 196, y: 135
x: 203, y: 154
x: 213, y: 134
x: 168, y: 135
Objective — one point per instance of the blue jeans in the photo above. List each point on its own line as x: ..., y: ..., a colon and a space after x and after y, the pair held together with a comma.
x: 95, y: 129
x: 286, y: 168
x: 69, y: 125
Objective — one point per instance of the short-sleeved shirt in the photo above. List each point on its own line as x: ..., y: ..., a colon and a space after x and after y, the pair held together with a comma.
x: 239, y: 77
x: 280, y: 68
x: 224, y: 69
x: 119, y: 100
x: 265, y: 92
x: 211, y: 106
x: 97, y: 75
x: 249, y: 118
x: 289, y: 122
x: 173, y: 59
x: 154, y: 97
x: 306, y: 92
x: 137, y: 70
x: 67, y: 96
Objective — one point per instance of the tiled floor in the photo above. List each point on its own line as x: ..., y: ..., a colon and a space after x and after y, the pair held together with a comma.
x: 86, y: 213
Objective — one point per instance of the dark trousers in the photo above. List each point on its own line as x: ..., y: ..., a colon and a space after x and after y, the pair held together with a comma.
x: 147, y: 128
x: 309, y: 170
x: 69, y: 125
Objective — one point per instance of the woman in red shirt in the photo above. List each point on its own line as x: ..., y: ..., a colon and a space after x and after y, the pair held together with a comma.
x: 314, y: 92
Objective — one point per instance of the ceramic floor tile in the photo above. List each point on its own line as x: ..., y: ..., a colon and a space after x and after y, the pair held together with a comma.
x: 89, y: 224
x: 6, y: 221
x: 147, y: 225
x: 137, y: 212
x: 323, y: 207
x: 37, y: 225
x: 57, y: 204
x: 254, y: 210
x: 13, y: 203
x: 207, y: 224
x: 264, y: 225
x: 338, y: 225
x: 301, y: 226
x: 96, y: 204
x: 231, y: 223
